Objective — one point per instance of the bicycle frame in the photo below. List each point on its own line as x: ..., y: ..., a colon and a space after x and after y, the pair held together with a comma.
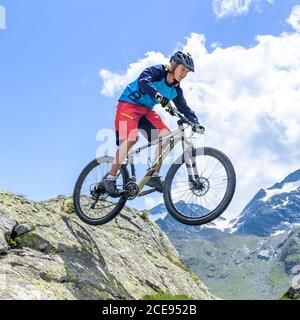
x: 174, y: 137
x: 91, y: 198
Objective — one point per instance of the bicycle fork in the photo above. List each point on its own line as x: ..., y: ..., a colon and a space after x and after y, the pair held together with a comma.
x: 189, y: 157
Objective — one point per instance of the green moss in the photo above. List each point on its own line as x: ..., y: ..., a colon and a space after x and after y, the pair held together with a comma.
x: 286, y: 297
x: 145, y: 215
x: 196, y: 279
x: 178, y: 262
x: 71, y: 276
x: 68, y: 206
x: 39, y: 284
x: 14, y: 242
x: 34, y: 241
x: 166, y: 296
x: 44, y: 287
x: 90, y: 293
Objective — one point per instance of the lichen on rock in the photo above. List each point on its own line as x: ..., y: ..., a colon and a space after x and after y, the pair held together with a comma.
x: 57, y: 256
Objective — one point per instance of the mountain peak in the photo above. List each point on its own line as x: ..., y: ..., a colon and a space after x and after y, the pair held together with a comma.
x: 291, y: 178
x: 273, y: 210
x: 162, y: 217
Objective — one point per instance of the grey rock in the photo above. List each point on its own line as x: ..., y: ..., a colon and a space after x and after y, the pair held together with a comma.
x: 296, y: 269
x: 296, y: 282
x: 7, y: 224
x: 265, y: 254
x: 22, y: 228
x: 3, y: 244
x: 64, y: 258
x: 294, y: 290
x: 290, y: 250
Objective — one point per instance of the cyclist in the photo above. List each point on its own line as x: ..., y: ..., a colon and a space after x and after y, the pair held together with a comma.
x: 159, y: 83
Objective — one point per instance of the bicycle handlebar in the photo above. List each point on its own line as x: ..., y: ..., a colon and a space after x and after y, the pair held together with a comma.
x: 175, y: 112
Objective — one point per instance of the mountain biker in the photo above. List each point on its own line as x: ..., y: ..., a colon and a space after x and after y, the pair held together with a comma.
x: 159, y: 83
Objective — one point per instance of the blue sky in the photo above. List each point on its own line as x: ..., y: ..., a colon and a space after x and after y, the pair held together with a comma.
x: 51, y: 52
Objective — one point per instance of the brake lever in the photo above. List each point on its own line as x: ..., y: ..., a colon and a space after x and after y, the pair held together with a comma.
x: 180, y: 122
x: 170, y: 110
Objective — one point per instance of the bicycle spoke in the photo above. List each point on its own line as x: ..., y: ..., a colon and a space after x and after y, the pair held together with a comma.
x: 200, y: 202
x: 94, y: 202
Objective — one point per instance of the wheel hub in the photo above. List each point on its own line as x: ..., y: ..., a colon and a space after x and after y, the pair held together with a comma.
x: 200, y: 186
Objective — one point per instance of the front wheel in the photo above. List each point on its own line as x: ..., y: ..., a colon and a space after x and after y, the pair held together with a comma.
x: 202, y: 196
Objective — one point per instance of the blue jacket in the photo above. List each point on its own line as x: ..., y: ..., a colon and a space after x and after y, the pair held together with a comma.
x: 152, y: 80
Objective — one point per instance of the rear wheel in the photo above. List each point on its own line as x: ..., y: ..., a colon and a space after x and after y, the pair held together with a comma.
x: 201, y: 199
x: 91, y: 202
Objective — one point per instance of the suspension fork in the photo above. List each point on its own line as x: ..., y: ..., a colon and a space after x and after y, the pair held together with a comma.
x: 189, y: 156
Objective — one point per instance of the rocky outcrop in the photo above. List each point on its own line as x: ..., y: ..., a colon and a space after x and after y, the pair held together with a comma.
x: 294, y: 290
x: 46, y: 252
x: 290, y: 250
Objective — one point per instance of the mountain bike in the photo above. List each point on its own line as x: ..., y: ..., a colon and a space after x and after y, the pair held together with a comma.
x: 197, y: 189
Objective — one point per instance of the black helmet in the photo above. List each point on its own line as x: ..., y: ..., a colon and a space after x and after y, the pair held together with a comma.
x: 183, y: 58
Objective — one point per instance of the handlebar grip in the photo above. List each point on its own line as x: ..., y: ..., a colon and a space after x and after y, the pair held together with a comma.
x: 173, y: 111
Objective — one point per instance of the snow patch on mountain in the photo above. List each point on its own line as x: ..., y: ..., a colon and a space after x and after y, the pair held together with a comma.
x: 278, y: 233
x: 287, y: 187
x: 220, y: 223
x: 284, y: 203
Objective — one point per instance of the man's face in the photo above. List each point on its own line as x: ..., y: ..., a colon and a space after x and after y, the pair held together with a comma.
x: 180, y: 72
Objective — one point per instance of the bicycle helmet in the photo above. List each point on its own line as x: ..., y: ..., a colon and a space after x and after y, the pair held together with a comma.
x: 183, y: 58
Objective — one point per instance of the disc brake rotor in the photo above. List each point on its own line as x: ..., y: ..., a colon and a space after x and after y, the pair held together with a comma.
x: 200, y: 186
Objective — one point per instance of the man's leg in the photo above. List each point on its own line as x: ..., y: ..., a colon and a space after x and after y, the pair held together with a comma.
x: 155, y: 127
x: 126, y: 124
x: 110, y: 181
x: 159, y: 149
x: 121, y: 155
x: 155, y: 180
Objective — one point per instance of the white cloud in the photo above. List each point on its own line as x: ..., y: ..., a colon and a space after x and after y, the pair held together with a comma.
x: 224, y: 8
x: 294, y: 18
x: 114, y: 82
x: 248, y: 99
x: 216, y: 44
x: 152, y: 201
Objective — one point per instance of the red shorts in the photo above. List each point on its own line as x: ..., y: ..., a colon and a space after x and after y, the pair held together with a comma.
x: 130, y: 118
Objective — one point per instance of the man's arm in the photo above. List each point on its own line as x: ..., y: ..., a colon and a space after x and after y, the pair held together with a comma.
x: 182, y: 106
x: 149, y: 75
